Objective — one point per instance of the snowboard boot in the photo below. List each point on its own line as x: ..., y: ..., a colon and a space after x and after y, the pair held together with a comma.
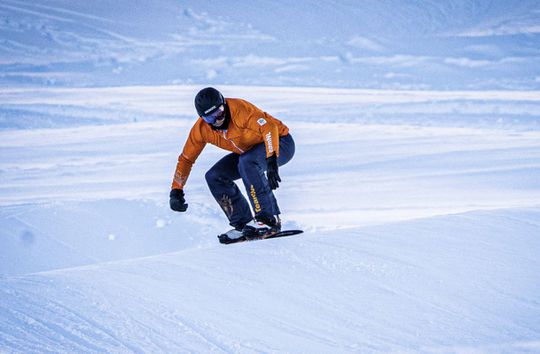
x: 233, y: 234
x: 263, y: 226
x: 272, y: 222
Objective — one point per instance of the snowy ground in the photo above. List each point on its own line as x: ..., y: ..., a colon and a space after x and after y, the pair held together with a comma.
x: 416, y: 177
x: 453, y: 44
x: 420, y: 237
x: 461, y: 283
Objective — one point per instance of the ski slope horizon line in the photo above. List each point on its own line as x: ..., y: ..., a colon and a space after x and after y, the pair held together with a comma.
x: 519, y: 95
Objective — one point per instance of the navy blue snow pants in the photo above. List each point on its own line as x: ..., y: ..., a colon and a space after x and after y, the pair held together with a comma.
x: 250, y: 166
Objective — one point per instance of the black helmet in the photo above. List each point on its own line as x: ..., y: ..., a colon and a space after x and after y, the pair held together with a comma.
x: 208, y: 100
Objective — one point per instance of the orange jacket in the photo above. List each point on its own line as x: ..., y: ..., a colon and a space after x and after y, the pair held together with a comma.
x: 248, y: 127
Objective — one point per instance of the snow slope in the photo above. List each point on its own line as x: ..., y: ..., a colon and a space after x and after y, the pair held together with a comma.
x: 416, y: 177
x: 452, y: 44
x: 106, y: 185
x: 420, y: 237
x: 455, y: 283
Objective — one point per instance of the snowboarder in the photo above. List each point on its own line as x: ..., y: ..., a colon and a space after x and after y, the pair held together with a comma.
x: 258, y: 142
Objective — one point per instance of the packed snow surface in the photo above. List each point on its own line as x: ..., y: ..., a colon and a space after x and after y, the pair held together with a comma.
x: 473, y: 44
x: 449, y: 283
x: 416, y: 177
x: 418, y: 237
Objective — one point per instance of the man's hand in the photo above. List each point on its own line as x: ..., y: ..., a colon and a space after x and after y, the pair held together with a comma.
x: 272, y: 172
x: 177, y: 201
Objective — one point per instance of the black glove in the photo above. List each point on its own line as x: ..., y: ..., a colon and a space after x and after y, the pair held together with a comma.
x: 177, y: 201
x: 272, y: 172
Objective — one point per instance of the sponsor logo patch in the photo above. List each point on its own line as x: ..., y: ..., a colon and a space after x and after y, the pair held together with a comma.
x: 209, y: 109
x: 261, y: 121
x: 227, y: 205
x: 269, y: 141
x: 255, y: 199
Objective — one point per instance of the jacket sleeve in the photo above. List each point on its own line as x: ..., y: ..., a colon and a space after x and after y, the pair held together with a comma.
x: 270, y: 132
x: 191, y: 151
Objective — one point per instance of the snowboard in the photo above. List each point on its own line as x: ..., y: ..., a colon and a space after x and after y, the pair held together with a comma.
x: 224, y: 239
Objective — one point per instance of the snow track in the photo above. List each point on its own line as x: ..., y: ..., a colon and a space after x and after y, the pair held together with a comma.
x: 95, y: 196
x: 416, y: 177
x: 390, y: 44
x: 444, y: 283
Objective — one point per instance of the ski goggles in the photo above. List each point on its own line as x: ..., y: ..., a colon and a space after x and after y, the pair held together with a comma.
x: 218, y: 114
